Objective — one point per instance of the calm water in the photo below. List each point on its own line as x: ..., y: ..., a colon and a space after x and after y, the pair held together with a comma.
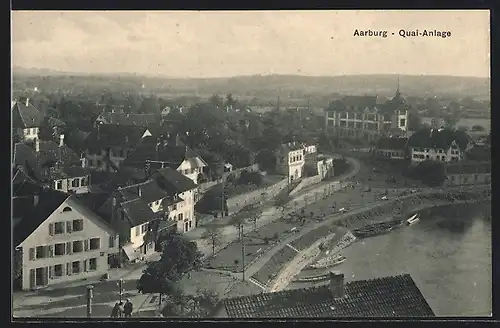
x: 452, y: 267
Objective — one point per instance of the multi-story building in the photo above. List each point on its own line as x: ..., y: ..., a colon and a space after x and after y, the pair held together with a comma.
x: 366, y: 117
x: 152, y: 154
x: 108, y: 145
x: 26, y: 120
x: 54, y: 165
x: 442, y: 145
x: 290, y: 160
x: 61, y: 240
x: 167, y: 198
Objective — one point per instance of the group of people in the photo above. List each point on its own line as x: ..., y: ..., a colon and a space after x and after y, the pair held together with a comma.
x: 122, y: 310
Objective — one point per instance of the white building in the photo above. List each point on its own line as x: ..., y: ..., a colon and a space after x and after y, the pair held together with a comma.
x: 442, y: 145
x: 61, y: 240
x: 290, y: 161
x: 366, y: 117
x: 26, y: 120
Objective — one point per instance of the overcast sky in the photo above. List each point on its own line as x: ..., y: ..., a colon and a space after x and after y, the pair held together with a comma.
x: 210, y: 44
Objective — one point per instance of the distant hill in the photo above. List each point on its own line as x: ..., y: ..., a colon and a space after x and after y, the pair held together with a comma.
x: 288, y: 86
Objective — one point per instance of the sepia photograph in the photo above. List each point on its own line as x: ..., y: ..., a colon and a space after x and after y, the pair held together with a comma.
x: 282, y: 164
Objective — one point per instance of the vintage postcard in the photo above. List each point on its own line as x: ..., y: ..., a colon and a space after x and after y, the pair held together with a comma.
x: 251, y: 164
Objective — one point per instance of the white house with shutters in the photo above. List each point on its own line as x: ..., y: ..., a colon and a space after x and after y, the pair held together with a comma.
x: 60, y: 240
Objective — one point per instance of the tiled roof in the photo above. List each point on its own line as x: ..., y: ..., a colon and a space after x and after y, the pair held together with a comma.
x: 173, y: 182
x: 391, y: 143
x: 130, y: 119
x: 51, y: 152
x: 25, y: 155
x: 438, y: 138
x: 396, y: 296
x: 149, y: 191
x: 147, y: 149
x: 65, y: 172
x: 138, y: 212
x: 25, y: 116
x: 23, y: 185
x: 110, y: 181
x: 49, y: 201
x: 108, y: 135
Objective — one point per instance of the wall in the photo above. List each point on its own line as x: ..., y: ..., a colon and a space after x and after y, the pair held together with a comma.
x: 235, y: 203
x: 306, y: 182
x: 203, y: 187
x: 467, y: 179
x: 41, y: 237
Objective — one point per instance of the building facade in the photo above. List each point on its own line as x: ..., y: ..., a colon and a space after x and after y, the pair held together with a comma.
x: 72, y: 243
x: 290, y: 161
x: 366, y: 117
x: 471, y: 173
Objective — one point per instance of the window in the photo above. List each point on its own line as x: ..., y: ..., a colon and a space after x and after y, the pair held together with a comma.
x: 78, y: 225
x: 137, y: 231
x: 60, y: 249
x: 66, y: 209
x: 83, y: 182
x: 59, y: 228
x: 95, y: 243
x: 98, y: 162
x: 190, y: 222
x: 144, y: 228
x: 402, y: 122
x: 111, y: 241
x: 58, y: 185
x: 427, y: 156
x: 179, y: 217
x: 58, y: 270
x: 93, y: 264
x: 41, y: 252
x: 193, y: 170
x: 76, y: 267
x: 466, y: 179
x: 77, y: 246
x: 75, y: 183
x: 476, y: 177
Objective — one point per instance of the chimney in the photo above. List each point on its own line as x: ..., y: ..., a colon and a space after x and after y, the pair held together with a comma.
x: 37, y: 145
x: 139, y: 191
x: 61, y: 140
x: 36, y: 199
x: 27, y: 102
x: 337, y: 285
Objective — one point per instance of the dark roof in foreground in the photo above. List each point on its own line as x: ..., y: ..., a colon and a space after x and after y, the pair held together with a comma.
x: 396, y: 296
x: 438, y: 138
x: 49, y: 201
x: 174, y: 182
x: 25, y: 116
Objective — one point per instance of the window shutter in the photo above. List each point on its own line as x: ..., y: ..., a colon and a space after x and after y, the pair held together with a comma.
x: 51, y: 229
x: 46, y: 251
x: 69, y: 226
x: 51, y: 272
x: 86, y: 245
x: 32, y: 254
x: 69, y: 249
x: 68, y: 269
x: 51, y: 251
x: 85, y: 266
x: 32, y: 278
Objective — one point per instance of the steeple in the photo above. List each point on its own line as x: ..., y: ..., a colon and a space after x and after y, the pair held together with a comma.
x: 397, y: 90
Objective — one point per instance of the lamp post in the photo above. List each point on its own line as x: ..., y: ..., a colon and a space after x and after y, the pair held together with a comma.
x: 242, y: 254
x: 120, y: 284
x: 90, y: 295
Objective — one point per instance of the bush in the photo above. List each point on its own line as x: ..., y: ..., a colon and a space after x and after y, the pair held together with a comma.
x: 247, y: 177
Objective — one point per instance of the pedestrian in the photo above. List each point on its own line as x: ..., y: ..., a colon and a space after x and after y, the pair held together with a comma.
x: 120, y: 309
x: 128, y: 308
x: 115, y: 310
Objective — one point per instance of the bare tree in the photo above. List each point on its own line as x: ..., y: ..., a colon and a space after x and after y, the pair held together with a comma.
x: 213, y: 236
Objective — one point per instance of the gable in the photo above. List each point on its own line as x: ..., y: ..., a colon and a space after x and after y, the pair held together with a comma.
x: 69, y: 210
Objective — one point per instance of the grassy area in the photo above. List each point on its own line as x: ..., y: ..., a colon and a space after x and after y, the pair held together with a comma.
x: 274, y: 265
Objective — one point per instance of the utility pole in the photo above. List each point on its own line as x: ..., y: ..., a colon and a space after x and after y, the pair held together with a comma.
x: 242, y: 254
x: 120, y: 284
x: 89, y: 300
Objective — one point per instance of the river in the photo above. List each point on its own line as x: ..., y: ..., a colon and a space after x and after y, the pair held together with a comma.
x: 451, y: 267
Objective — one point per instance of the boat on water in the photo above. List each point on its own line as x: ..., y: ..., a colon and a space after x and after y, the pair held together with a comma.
x: 328, y: 262
x: 414, y: 218
x: 377, y: 228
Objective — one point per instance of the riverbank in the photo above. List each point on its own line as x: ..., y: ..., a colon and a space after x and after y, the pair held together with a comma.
x: 424, y: 204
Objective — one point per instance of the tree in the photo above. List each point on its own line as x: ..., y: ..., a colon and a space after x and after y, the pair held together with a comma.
x: 238, y: 221
x: 213, y: 236
x: 179, y: 257
x: 266, y: 160
x: 216, y: 101
x: 250, y: 177
x: 431, y: 173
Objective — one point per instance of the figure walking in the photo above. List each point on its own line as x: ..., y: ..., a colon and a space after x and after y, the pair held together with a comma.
x: 128, y: 308
x: 115, y: 311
